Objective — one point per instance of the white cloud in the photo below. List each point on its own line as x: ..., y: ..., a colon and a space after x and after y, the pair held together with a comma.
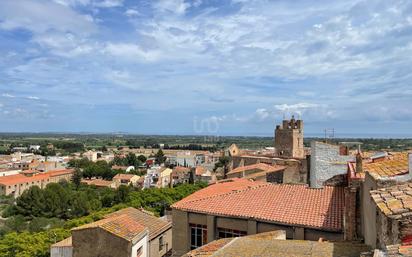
x: 33, y: 98
x: 262, y: 114
x: 108, y: 3
x: 131, y: 52
x: 298, y: 108
x: 64, y: 44
x: 131, y: 12
x: 39, y: 17
x: 175, y: 6
x: 94, y: 3
x: 8, y: 95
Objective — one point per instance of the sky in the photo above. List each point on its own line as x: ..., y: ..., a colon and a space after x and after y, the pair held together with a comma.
x: 216, y: 67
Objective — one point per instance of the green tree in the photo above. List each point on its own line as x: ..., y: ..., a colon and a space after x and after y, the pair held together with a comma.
x: 142, y: 158
x: 79, y: 205
x: 77, y: 178
x: 57, y: 200
x: 160, y: 157
x: 122, y: 194
x: 31, y: 202
x: 16, y: 223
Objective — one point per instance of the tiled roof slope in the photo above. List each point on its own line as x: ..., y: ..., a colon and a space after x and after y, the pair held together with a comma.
x: 221, y: 187
x: 121, y: 225
x: 64, y: 243
x: 265, y: 246
x: 258, y: 166
x: 155, y: 225
x: 124, y: 176
x: 394, y: 164
x: 20, y: 178
x: 277, y: 203
x: 398, y: 251
x: 394, y: 201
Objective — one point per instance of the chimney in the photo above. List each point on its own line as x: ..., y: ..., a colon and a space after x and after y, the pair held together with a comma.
x: 359, y: 163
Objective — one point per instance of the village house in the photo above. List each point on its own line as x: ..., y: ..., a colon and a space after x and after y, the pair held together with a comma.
x: 46, y: 166
x: 259, y: 172
x: 240, y: 207
x: 15, y: 185
x: 394, y: 215
x: 90, y: 155
x: 378, y: 171
x: 181, y: 175
x: 158, y: 177
x: 126, y: 233
x: 9, y: 171
x: 125, y: 179
x: 204, y: 174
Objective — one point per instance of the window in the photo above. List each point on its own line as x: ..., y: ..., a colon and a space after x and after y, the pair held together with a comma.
x: 139, y: 252
x: 227, y: 233
x: 161, y: 243
x: 198, y: 235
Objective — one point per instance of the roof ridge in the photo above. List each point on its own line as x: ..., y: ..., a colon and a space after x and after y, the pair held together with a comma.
x: 226, y: 245
x: 229, y: 193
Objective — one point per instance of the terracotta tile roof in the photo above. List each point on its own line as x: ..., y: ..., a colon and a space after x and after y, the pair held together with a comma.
x: 398, y: 251
x: 20, y: 178
x: 98, y: 182
x: 276, y: 203
x: 220, y: 188
x: 118, y: 224
x: 265, y: 245
x: 155, y: 225
x: 394, y: 201
x: 209, y: 249
x: 200, y: 170
x: 124, y: 176
x: 394, y: 164
x: 117, y: 167
x: 182, y: 169
x: 258, y: 167
x: 64, y: 243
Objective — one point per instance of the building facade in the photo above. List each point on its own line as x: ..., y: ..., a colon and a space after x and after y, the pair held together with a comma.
x: 241, y: 207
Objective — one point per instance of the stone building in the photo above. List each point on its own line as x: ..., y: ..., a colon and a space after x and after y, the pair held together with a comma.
x: 328, y: 164
x: 240, y: 207
x: 15, y: 185
x: 259, y: 172
x: 289, y: 139
x: 296, y: 170
x: 393, y: 215
x: 125, y: 233
x: 373, y: 173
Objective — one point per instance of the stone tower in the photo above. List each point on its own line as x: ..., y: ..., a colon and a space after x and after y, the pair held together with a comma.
x: 289, y: 139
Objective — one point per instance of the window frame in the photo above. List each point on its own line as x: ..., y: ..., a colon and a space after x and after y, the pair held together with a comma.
x: 198, y: 232
x: 229, y: 233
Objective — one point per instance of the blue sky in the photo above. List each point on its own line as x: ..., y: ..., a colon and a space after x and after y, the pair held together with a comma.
x: 225, y: 67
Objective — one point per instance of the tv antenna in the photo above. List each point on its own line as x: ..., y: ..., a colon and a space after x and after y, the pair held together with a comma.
x: 329, y: 133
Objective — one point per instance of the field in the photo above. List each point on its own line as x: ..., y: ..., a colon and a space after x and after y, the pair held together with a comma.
x: 79, y: 142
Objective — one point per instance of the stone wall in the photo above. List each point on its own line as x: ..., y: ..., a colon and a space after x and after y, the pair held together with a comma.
x: 94, y: 242
x: 289, y: 139
x: 326, y: 162
x: 167, y: 244
x: 296, y: 169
